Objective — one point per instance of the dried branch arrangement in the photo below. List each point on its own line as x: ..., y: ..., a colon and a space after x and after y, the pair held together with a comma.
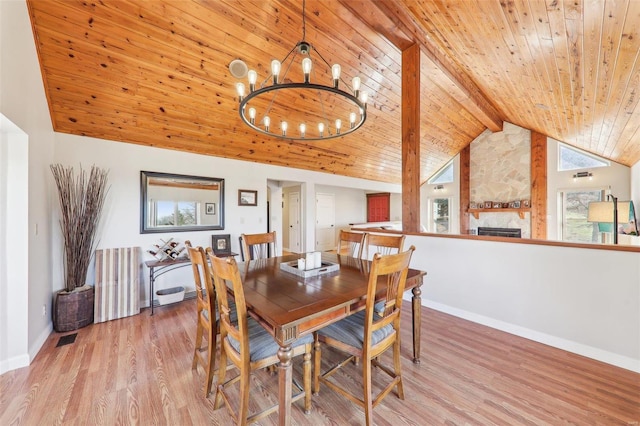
x: 81, y: 200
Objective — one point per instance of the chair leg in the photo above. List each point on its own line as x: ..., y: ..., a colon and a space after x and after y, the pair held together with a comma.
x: 366, y: 382
x: 199, y: 332
x: 317, y: 361
x: 243, y: 408
x: 396, y: 367
x: 211, y: 365
x: 306, y: 368
x: 222, y: 372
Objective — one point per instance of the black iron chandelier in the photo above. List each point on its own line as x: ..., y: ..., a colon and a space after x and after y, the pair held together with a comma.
x: 308, y: 102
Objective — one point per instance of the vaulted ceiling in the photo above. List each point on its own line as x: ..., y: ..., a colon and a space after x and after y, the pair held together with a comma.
x: 156, y: 73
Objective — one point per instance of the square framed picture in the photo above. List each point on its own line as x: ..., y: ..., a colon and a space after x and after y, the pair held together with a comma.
x: 526, y: 203
x: 221, y: 244
x: 247, y: 197
x: 209, y: 208
x: 516, y: 204
x: 488, y: 204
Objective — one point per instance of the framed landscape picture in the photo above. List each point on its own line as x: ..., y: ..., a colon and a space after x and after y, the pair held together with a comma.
x: 247, y: 197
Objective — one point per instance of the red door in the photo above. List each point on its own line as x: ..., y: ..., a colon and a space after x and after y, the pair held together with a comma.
x: 378, y: 207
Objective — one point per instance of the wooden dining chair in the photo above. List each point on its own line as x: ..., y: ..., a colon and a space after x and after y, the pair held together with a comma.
x: 367, y: 334
x: 258, y: 246
x: 248, y: 345
x: 207, y: 327
x: 351, y: 243
x: 383, y: 244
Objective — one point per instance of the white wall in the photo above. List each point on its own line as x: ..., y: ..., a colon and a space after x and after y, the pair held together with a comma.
x: 617, y: 176
x: 23, y: 102
x: 120, y: 225
x: 585, y: 301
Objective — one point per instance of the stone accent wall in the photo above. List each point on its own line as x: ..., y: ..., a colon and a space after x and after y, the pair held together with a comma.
x: 501, y: 171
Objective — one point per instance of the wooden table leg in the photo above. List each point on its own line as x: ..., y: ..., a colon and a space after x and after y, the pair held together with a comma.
x: 416, y: 310
x: 284, y: 385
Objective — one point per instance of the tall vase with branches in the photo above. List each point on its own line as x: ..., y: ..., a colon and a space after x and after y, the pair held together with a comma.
x: 81, y: 197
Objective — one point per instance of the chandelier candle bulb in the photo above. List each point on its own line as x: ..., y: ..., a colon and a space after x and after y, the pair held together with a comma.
x: 338, y: 126
x: 356, y: 86
x: 267, y: 122
x: 352, y: 119
x: 303, y: 129
x: 252, y: 77
x: 275, y: 70
x: 321, y: 129
x: 240, y: 89
x: 306, y: 69
x: 284, y: 126
x: 364, y: 96
x: 252, y: 115
x: 335, y: 72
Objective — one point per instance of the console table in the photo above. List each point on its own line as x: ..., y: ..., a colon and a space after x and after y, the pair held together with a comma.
x: 160, y: 267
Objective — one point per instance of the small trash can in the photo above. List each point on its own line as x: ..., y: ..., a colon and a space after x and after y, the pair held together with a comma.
x: 170, y: 295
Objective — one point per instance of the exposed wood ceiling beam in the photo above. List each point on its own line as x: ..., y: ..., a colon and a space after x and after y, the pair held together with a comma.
x: 391, y: 19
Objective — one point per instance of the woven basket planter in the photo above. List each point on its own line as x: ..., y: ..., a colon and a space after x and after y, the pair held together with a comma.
x: 74, y: 310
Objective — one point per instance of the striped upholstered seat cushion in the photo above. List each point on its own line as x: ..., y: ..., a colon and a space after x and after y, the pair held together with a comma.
x: 262, y: 344
x: 350, y: 330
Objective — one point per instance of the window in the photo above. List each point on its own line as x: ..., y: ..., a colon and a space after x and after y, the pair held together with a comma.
x: 573, y: 159
x: 575, y: 206
x: 444, y: 175
x: 175, y: 213
x: 439, y: 215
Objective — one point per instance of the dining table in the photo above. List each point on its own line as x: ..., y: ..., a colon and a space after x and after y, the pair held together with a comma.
x: 290, y: 306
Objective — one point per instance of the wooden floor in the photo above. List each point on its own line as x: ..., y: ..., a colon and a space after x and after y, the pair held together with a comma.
x: 138, y: 371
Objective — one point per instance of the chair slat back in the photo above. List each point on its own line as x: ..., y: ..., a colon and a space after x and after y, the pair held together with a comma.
x: 226, y: 274
x: 383, y: 244
x: 205, y: 291
x: 351, y: 243
x: 391, y: 270
x: 259, y: 246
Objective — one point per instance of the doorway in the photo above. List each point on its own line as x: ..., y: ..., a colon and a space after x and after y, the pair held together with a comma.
x: 325, y: 222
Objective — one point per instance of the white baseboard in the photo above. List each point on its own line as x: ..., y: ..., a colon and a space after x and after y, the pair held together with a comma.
x: 547, y: 339
x: 24, y: 360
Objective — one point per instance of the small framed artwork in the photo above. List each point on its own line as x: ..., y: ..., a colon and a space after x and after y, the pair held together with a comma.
x: 209, y: 208
x: 497, y: 204
x: 221, y: 244
x: 526, y: 203
x: 488, y: 204
x: 516, y: 204
x: 473, y: 205
x: 247, y: 197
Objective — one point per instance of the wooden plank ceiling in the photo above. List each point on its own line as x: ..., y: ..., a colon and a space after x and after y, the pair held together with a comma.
x: 156, y: 73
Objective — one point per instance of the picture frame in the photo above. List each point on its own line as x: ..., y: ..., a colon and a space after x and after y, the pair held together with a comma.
x: 526, y: 203
x: 473, y: 205
x: 488, y: 204
x: 247, y: 197
x: 221, y: 244
x: 210, y: 208
x: 516, y: 204
x: 497, y: 205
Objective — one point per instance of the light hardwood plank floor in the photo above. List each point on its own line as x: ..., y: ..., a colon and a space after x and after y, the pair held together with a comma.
x: 137, y: 370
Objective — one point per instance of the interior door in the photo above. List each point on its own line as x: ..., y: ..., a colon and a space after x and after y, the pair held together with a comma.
x: 378, y: 207
x: 325, y: 222
x: 294, y: 222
